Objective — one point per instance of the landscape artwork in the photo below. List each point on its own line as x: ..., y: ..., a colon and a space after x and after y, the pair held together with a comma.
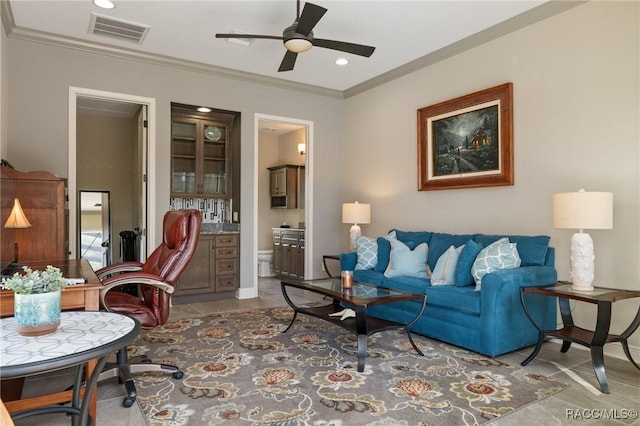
x: 467, y: 142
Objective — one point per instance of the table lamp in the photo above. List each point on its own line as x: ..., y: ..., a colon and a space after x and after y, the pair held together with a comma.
x: 355, y: 213
x: 582, y: 210
x: 17, y: 220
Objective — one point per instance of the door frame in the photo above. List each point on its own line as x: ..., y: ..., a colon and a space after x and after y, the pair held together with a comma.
x: 308, y: 208
x: 80, y: 92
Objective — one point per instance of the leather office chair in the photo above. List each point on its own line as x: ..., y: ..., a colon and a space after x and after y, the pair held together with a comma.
x: 156, y: 279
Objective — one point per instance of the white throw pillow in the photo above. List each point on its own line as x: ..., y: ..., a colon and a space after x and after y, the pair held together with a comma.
x: 499, y: 255
x: 367, y: 252
x: 444, y: 272
x: 404, y: 262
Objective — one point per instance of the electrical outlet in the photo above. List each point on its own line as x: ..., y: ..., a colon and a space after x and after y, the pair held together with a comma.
x: 235, y: 216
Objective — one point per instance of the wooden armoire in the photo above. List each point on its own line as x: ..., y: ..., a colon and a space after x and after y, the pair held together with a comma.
x: 44, y: 200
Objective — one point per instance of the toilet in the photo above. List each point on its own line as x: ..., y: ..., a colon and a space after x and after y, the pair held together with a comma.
x: 265, y: 257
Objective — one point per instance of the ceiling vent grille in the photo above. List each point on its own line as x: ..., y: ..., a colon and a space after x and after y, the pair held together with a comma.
x: 118, y: 28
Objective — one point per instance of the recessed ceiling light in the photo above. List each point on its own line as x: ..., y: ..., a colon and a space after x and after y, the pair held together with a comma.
x: 204, y: 109
x: 341, y: 61
x: 105, y: 4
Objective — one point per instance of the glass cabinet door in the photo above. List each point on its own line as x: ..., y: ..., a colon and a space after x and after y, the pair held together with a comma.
x: 214, y: 159
x: 184, y: 150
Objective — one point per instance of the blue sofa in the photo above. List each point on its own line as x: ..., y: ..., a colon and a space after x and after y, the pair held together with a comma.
x: 490, y: 320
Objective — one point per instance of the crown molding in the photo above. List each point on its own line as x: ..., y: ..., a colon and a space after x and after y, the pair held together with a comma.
x: 41, y: 37
x: 532, y: 16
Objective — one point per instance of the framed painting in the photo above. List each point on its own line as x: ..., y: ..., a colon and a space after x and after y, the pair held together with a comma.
x: 467, y: 142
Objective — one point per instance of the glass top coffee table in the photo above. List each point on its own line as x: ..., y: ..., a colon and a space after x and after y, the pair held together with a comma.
x: 358, y: 298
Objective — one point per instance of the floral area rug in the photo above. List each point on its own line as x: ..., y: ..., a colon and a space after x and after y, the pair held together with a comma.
x: 241, y: 369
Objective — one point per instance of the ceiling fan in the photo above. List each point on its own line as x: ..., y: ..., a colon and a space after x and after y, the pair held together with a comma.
x: 298, y: 37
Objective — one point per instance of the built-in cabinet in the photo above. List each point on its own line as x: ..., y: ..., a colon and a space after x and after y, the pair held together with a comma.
x: 213, y: 270
x: 288, y: 252
x: 286, y: 186
x: 201, y: 155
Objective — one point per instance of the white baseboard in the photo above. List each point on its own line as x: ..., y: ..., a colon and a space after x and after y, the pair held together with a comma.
x: 612, y: 350
x: 247, y: 293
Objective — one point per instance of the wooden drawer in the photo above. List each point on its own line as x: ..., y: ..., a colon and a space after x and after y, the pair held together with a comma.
x: 226, y: 283
x: 226, y: 240
x: 226, y: 266
x: 226, y: 252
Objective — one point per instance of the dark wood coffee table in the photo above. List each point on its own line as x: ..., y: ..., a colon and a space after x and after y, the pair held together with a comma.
x: 358, y: 298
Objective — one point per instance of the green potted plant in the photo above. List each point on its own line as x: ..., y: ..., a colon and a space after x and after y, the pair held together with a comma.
x: 36, y: 299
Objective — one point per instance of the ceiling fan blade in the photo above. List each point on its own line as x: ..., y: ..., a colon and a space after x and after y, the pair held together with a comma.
x: 311, y: 14
x: 235, y: 35
x: 343, y: 46
x: 288, y: 61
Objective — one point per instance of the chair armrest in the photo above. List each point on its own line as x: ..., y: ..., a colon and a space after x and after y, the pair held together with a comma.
x: 118, y: 268
x: 132, y: 278
x: 348, y: 261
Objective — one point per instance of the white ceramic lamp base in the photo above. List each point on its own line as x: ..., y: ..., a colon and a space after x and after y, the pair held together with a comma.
x: 582, y: 262
x: 354, y: 233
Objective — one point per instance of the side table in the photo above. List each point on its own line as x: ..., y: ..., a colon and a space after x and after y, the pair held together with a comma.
x: 82, y: 336
x: 324, y: 263
x: 569, y: 333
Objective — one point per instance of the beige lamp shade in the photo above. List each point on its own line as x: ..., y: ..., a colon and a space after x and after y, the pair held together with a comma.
x: 356, y: 213
x: 17, y: 218
x: 583, y: 210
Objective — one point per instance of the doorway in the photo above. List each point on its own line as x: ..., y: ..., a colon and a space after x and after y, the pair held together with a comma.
x: 94, y: 228
x: 97, y: 172
x: 274, y: 146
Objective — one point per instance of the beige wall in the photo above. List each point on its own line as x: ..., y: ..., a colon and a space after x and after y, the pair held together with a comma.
x: 3, y: 91
x: 576, y: 109
x: 38, y: 106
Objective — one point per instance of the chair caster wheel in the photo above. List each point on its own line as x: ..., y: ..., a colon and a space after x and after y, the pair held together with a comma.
x: 178, y: 375
x: 128, y: 401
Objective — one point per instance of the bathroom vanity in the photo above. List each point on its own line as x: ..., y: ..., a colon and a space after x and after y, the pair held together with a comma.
x: 288, y: 252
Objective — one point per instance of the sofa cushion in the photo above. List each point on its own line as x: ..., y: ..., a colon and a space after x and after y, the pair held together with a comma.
x: 416, y: 237
x: 532, y: 249
x: 461, y: 299
x: 441, y: 242
x: 384, y: 250
x: 407, y: 284
x: 467, y: 256
x: 368, y: 276
x: 444, y: 272
x: 499, y: 255
x: 405, y: 262
x: 367, y: 252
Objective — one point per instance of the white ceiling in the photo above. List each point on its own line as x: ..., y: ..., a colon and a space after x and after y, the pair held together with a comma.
x: 401, y: 31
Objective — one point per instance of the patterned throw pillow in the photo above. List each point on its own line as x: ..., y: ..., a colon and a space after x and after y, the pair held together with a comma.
x: 405, y: 262
x: 367, y: 253
x: 499, y: 255
x: 444, y: 272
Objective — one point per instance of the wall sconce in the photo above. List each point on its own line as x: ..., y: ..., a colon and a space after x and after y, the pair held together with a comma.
x: 301, y: 148
x: 355, y: 213
x: 582, y: 210
x: 17, y: 220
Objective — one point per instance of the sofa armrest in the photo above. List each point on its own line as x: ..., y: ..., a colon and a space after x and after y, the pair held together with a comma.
x: 348, y: 261
x: 502, y: 310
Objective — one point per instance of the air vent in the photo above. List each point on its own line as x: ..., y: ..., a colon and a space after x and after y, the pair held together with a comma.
x: 118, y: 28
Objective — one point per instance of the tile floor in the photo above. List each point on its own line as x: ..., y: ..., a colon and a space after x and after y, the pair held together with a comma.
x: 582, y: 403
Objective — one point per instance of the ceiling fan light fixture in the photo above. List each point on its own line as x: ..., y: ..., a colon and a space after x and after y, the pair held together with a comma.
x: 298, y: 45
x: 105, y: 4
